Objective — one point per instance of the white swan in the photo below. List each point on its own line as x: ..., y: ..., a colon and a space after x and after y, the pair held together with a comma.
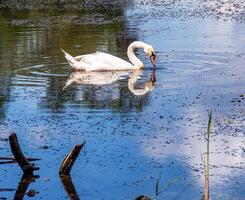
x: 108, y: 77
x: 105, y: 62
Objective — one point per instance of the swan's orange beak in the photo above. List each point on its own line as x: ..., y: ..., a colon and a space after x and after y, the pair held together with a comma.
x: 153, y: 59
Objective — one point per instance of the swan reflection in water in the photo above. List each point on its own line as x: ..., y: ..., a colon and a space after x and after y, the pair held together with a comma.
x: 108, y: 77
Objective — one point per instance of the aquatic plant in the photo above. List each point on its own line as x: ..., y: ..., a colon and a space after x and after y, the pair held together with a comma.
x: 158, y: 192
x: 206, y: 159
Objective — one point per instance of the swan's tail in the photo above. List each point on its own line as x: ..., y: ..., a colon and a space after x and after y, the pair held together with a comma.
x: 71, y: 60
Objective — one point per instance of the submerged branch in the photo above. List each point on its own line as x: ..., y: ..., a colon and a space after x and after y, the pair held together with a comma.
x: 9, y: 160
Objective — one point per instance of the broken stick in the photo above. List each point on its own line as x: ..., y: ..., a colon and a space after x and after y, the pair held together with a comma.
x: 13, y: 159
x: 70, y: 159
x: 10, y: 160
x: 24, y: 164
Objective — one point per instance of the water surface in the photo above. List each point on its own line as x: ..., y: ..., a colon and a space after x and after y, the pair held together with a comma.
x: 131, y: 139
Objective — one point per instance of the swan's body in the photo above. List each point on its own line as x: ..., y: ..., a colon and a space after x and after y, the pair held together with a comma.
x: 100, y: 61
x: 105, y: 62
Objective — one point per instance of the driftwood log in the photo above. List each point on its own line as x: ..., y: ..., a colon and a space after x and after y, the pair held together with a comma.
x: 65, y: 169
x: 70, y: 159
x: 23, y: 162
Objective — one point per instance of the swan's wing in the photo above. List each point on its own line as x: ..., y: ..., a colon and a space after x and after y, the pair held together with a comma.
x: 102, y: 62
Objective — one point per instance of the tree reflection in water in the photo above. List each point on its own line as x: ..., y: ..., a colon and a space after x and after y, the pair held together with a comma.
x: 31, y: 37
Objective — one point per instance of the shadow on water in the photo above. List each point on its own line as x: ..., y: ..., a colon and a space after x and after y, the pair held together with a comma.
x: 24, y: 183
x: 22, y: 187
x: 69, y: 187
x: 113, y: 90
x: 109, y: 89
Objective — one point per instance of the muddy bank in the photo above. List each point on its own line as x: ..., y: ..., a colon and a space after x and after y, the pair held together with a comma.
x: 221, y: 9
x: 60, y: 5
x: 184, y: 9
x: 107, y: 12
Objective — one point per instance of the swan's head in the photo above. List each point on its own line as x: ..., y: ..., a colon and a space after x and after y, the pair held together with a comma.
x: 149, y: 51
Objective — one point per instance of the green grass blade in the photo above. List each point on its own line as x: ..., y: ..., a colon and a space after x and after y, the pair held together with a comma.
x: 170, y: 183
x: 209, y: 124
x: 157, y: 186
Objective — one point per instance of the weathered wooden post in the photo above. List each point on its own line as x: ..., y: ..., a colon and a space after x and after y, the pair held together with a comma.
x: 65, y: 169
x: 70, y: 159
x: 24, y: 164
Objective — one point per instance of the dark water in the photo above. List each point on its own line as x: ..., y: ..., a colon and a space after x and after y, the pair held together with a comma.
x: 131, y: 139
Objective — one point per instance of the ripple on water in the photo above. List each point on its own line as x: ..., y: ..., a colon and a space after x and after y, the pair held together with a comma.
x: 182, y: 64
x: 190, y: 63
x: 38, y: 75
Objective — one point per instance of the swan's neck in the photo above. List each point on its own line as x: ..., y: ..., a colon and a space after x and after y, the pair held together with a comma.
x: 131, y: 55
